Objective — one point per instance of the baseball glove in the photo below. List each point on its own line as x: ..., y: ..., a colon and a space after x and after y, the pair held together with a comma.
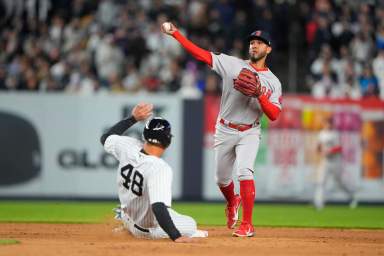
x: 248, y: 83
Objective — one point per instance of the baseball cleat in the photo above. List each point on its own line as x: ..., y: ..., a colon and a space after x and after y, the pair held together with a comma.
x: 232, y: 212
x: 245, y: 230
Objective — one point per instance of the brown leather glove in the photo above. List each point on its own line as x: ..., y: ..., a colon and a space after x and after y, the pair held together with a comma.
x: 248, y: 83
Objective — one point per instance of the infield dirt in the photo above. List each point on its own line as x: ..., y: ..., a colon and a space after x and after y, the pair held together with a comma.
x: 99, y: 239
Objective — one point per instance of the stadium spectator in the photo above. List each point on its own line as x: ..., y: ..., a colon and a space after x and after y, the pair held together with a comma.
x: 342, y: 31
x: 350, y: 89
x: 369, y: 85
x: 323, y: 34
x: 131, y: 81
x: 107, y: 12
x: 326, y: 56
x: 378, y: 70
x: 60, y: 73
x: 115, y: 83
x: 82, y: 81
x: 188, y: 82
x: 170, y: 75
x: 326, y: 84
x: 361, y: 47
x: 342, y: 64
x: 42, y: 7
x: 108, y: 58
x: 13, y: 9
x: 349, y: 85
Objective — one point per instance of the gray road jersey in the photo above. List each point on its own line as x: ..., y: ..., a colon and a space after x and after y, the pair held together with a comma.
x: 145, y: 180
x: 329, y: 139
x: 234, y: 106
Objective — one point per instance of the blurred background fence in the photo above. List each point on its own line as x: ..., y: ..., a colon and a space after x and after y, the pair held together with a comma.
x: 50, y: 146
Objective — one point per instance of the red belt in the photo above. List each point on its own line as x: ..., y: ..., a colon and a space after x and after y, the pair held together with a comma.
x: 239, y: 127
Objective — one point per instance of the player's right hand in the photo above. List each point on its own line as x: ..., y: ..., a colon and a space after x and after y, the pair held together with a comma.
x: 142, y: 111
x: 168, y: 28
x: 184, y: 239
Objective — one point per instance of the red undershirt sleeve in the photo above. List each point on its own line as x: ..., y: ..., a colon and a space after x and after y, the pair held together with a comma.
x: 271, y: 110
x: 197, y: 52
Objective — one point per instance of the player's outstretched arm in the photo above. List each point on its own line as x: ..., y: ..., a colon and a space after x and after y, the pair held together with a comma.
x: 197, y: 52
x: 140, y: 112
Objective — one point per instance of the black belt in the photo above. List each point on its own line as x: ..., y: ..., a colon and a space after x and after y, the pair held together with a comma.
x: 138, y: 227
x: 141, y: 229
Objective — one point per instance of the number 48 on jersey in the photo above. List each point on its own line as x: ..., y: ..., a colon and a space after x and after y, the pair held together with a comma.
x: 135, y: 183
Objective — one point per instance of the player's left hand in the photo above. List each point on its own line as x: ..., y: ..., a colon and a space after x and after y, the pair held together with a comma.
x: 248, y: 83
x: 142, y: 111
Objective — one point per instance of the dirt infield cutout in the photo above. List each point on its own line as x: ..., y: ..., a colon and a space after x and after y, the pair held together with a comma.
x: 100, y: 239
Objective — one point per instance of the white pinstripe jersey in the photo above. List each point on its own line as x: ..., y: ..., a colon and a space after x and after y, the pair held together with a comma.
x: 234, y: 106
x: 142, y: 179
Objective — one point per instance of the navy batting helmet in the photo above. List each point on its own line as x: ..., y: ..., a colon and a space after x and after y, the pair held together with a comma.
x: 157, y: 131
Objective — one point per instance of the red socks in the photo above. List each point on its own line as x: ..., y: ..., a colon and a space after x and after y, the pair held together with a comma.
x: 228, y: 192
x: 247, y: 193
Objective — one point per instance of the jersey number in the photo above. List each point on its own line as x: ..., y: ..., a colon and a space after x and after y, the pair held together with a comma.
x: 136, y: 183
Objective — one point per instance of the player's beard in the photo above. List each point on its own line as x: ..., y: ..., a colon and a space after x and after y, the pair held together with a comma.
x: 256, y: 57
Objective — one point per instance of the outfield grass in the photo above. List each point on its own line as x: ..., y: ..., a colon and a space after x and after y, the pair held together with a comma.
x: 273, y: 215
x: 55, y: 212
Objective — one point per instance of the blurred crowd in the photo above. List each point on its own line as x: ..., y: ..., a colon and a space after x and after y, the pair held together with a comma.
x: 345, y: 42
x: 92, y: 46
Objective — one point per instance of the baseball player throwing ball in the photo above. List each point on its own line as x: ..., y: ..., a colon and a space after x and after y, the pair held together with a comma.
x: 144, y: 180
x: 249, y: 90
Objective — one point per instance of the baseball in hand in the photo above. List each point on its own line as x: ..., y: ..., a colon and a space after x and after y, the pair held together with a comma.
x: 167, y: 27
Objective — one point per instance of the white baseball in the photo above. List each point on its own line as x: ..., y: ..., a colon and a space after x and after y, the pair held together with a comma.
x: 167, y: 26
